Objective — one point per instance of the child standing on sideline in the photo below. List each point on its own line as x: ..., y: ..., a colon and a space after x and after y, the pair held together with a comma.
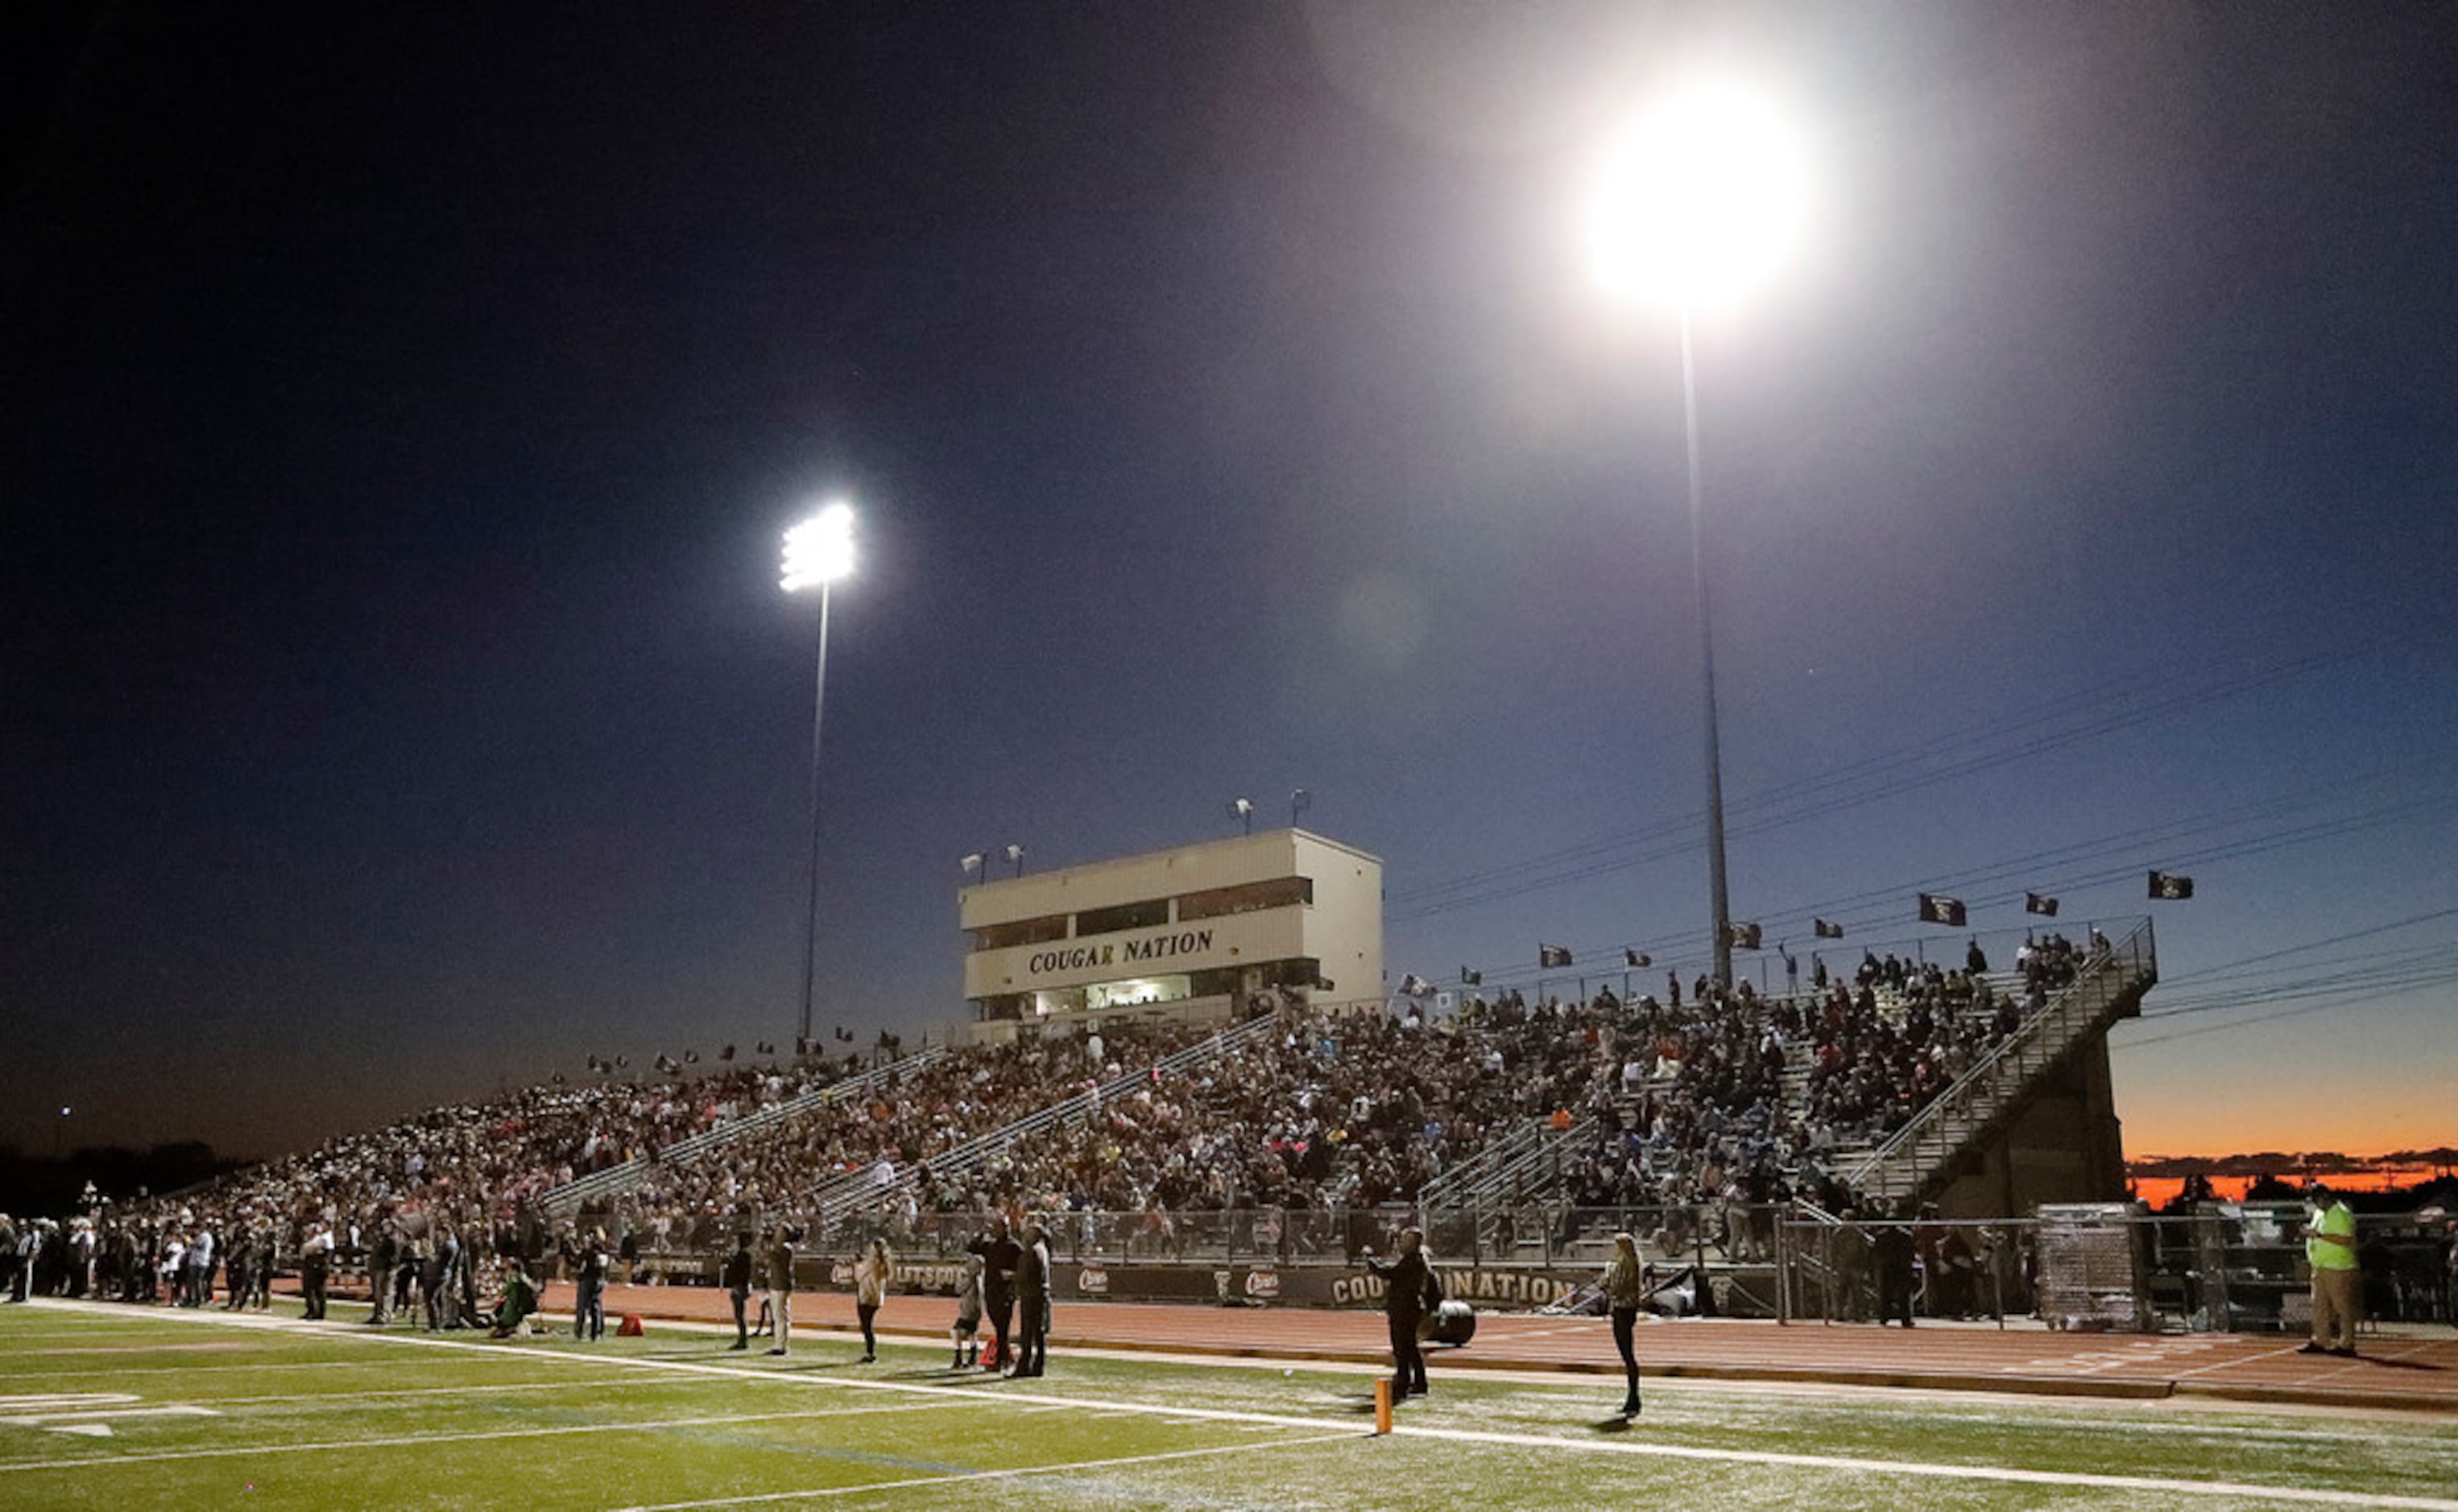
x: 966, y: 1335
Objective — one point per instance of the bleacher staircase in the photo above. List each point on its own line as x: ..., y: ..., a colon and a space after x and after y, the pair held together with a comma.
x: 616, y: 1180
x: 1526, y: 1166
x: 1920, y: 1156
x: 845, y: 1195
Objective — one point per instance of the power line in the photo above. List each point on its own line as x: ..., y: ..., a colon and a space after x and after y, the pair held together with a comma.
x: 2059, y: 721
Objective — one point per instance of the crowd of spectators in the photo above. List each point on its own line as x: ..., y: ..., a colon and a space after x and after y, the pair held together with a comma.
x: 890, y: 1135
x: 1732, y: 1098
x: 1745, y: 1101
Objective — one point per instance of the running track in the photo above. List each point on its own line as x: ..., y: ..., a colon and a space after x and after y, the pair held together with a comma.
x: 2415, y: 1369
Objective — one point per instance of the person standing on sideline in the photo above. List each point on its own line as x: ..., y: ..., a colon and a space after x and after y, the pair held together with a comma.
x: 1624, y: 1284
x: 1033, y: 1302
x: 1409, y: 1291
x: 999, y: 1253
x: 779, y: 1246
x: 380, y: 1258
x: 588, y: 1300
x: 736, y: 1278
x: 439, y: 1274
x: 966, y: 1335
x: 315, y: 1267
x: 869, y: 1289
x: 2337, y: 1292
x: 1892, y: 1253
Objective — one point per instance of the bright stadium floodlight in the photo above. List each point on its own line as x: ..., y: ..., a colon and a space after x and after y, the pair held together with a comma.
x: 817, y: 553
x: 1702, y: 198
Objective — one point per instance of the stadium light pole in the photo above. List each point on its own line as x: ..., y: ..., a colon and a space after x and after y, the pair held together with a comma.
x: 818, y: 552
x: 1699, y: 201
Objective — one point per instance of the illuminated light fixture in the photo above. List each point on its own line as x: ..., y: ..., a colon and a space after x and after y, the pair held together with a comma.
x: 819, y: 551
x: 1243, y: 810
x: 1299, y: 800
x: 1015, y: 858
x: 1702, y: 198
x: 973, y: 864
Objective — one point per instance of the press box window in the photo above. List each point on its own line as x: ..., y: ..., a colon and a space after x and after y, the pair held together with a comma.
x: 1125, y: 916
x: 1022, y: 932
x: 1247, y: 897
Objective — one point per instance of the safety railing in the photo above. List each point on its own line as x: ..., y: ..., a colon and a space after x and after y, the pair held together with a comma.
x: 2109, y: 985
x: 841, y: 1197
x: 614, y: 1180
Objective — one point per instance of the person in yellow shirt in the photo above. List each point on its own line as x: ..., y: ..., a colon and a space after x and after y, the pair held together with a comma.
x: 2330, y: 1250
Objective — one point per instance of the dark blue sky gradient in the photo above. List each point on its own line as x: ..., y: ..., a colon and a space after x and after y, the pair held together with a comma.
x: 402, y: 411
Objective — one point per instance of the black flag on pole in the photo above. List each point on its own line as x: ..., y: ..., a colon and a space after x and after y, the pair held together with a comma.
x: 1549, y: 956
x: 1471, y: 979
x: 2170, y: 886
x: 1744, y: 937
x: 1825, y: 930
x: 1636, y: 958
x: 2036, y: 904
x: 1939, y: 909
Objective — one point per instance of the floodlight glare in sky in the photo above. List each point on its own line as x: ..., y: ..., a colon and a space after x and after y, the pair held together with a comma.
x: 1701, y: 200
x: 819, y: 551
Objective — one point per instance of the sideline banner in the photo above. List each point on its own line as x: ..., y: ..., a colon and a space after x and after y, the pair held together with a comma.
x: 1228, y: 1285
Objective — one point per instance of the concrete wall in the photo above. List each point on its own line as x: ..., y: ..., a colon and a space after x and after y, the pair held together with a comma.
x: 2065, y: 1146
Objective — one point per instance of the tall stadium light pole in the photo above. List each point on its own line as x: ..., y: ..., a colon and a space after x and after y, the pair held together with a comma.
x: 818, y: 552
x: 1699, y: 201
x: 1720, y: 899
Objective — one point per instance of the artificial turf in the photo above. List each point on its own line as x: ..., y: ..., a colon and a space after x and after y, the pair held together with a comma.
x: 204, y: 1410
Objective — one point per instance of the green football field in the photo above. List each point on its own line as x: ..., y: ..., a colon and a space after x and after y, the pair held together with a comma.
x: 141, y: 1408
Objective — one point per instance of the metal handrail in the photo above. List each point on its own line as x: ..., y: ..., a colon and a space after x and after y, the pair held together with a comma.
x: 1548, y: 1141
x: 1472, y: 1176
x: 832, y: 1195
x: 619, y: 1178
x: 2132, y: 967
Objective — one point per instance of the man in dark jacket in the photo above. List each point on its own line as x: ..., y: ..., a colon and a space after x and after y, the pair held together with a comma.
x: 1409, y: 1293
x: 1033, y: 1303
x: 1893, y: 1252
x: 736, y: 1278
x: 1000, y: 1255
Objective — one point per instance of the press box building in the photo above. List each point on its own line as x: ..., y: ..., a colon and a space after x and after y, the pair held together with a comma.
x: 1193, y: 932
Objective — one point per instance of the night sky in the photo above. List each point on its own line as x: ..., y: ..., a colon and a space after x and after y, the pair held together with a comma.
x: 403, y: 407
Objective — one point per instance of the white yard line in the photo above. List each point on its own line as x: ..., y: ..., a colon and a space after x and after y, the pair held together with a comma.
x: 11, y: 1339
x: 967, y: 1477
x: 420, y: 1441
x: 189, y: 1370
x: 432, y: 1391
